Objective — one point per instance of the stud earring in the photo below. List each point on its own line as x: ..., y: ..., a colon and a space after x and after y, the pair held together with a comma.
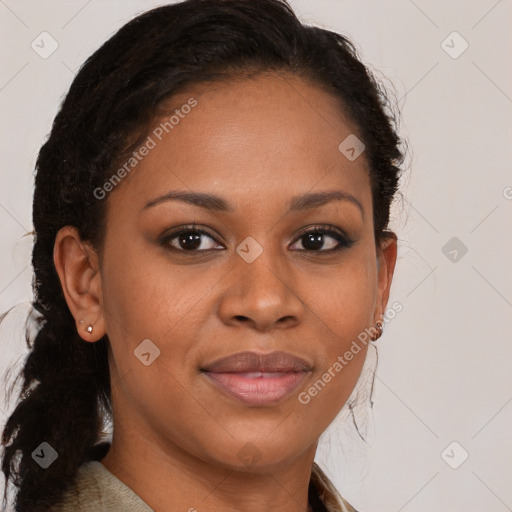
x: 375, y: 337
x: 89, y: 329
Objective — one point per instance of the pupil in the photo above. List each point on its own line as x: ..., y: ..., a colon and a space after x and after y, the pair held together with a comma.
x: 313, y: 241
x: 190, y: 241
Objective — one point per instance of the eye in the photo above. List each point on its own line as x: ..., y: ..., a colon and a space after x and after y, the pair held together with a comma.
x: 323, y: 239
x: 191, y: 239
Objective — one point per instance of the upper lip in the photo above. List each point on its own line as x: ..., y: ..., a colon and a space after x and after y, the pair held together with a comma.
x: 242, y: 362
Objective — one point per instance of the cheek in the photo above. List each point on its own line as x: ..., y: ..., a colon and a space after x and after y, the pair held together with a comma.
x: 344, y: 302
x: 342, y: 309
x: 147, y: 298
x: 145, y: 293
x: 144, y: 300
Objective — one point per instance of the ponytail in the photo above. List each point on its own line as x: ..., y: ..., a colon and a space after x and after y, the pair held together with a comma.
x: 58, y: 418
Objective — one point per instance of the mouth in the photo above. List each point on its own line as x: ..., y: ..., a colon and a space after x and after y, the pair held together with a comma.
x: 258, y: 388
x: 258, y: 379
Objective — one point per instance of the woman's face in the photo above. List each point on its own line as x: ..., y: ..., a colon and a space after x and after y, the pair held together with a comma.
x: 265, y: 148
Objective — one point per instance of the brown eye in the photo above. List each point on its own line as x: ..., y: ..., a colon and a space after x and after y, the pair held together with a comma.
x: 191, y: 240
x: 323, y: 240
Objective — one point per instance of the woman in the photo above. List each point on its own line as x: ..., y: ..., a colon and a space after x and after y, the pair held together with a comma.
x: 211, y: 262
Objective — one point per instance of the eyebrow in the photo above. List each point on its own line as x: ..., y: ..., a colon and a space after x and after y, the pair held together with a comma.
x: 217, y: 203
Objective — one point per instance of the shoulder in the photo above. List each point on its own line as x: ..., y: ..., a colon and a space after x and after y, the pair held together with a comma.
x: 96, y: 488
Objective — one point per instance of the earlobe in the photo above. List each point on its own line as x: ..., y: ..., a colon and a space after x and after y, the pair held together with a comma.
x: 76, y: 263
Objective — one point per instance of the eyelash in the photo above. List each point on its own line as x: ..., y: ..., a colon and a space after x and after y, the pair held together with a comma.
x: 344, y: 242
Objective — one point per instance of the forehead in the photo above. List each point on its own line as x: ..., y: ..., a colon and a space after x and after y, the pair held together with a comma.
x: 270, y: 136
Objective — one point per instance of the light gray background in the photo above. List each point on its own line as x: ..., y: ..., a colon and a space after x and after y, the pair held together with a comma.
x: 444, y: 373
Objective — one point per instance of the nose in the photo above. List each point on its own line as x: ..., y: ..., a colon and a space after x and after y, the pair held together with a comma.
x: 261, y: 295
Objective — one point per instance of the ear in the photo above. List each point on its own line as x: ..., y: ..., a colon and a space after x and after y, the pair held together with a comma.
x: 386, y: 260
x: 78, y: 269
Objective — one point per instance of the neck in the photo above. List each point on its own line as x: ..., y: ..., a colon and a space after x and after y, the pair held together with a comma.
x: 161, y: 478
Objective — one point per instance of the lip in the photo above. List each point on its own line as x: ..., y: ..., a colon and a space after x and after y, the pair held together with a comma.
x: 258, y: 379
x: 266, y: 389
x: 247, y: 362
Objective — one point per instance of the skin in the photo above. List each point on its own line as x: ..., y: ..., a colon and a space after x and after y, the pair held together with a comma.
x: 257, y: 143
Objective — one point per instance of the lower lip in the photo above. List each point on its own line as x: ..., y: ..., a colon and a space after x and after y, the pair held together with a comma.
x: 258, y: 390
